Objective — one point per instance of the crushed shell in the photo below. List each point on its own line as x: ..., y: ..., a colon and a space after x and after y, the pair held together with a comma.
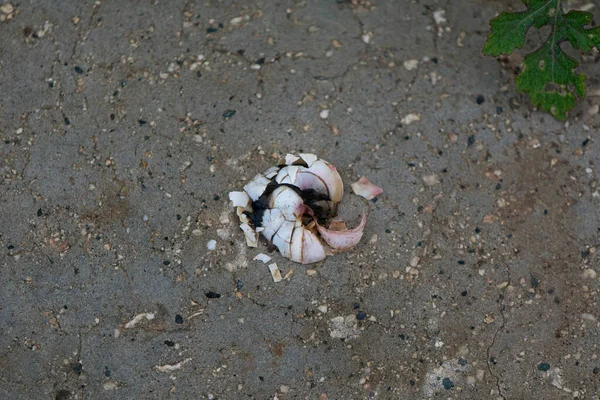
x: 284, y: 203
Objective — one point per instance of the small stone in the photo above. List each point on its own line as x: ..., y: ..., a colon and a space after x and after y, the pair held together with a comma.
x: 236, y: 21
x: 543, y: 366
x: 431, y: 180
x: 438, y: 17
x: 361, y: 316
x: 588, y: 317
x: 447, y: 383
x: 589, y: 274
x: 284, y: 389
x: 178, y: 319
x: 409, y: 65
x: 410, y: 118
x: 229, y: 113
x: 212, y: 295
x: 480, y: 99
x: 366, y: 38
x: 211, y: 245
x: 324, y: 114
x: 7, y: 8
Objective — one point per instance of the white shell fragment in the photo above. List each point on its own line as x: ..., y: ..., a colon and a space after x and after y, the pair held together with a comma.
x: 286, y: 203
x: 275, y: 273
x: 366, y: 189
x: 262, y: 257
x: 239, y: 199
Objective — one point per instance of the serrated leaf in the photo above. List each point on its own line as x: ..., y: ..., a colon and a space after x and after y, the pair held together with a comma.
x: 508, y: 30
x: 549, y: 80
x: 548, y: 76
x: 581, y: 39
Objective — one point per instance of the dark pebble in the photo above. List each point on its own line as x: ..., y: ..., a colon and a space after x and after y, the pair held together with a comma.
x: 142, y: 122
x: 178, y: 319
x: 498, y: 186
x: 544, y: 366
x: 78, y: 70
x: 239, y: 285
x: 77, y: 367
x: 534, y: 282
x: 585, y: 142
x: 167, y: 262
x: 471, y: 140
x: 260, y: 61
x: 10, y: 247
x: 355, y: 306
x: 229, y: 113
x: 211, y: 30
x: 39, y: 212
x: 411, y: 382
x: 212, y: 295
x: 480, y: 99
x: 361, y: 316
x: 67, y: 121
x: 388, y: 230
x: 462, y: 361
x: 596, y: 370
x: 463, y: 293
x: 178, y: 217
x: 169, y: 343
x: 106, y: 372
x: 198, y: 74
x: 499, y: 110
x: 216, y: 197
x: 447, y: 383
x: 461, y: 262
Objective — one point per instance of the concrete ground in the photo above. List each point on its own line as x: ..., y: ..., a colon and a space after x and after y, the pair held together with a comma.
x: 124, y: 125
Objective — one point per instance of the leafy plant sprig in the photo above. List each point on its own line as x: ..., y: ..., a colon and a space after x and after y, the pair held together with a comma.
x: 548, y: 75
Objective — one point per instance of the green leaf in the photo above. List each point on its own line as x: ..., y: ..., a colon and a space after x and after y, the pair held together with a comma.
x: 548, y: 76
x: 549, y: 80
x: 508, y: 30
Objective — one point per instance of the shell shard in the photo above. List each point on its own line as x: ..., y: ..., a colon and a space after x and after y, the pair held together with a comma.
x: 284, y: 203
x: 366, y: 189
x: 250, y: 234
x: 345, y: 239
x: 239, y: 199
x: 256, y: 187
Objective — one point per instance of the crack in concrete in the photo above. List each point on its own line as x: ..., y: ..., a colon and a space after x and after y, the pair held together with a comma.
x: 489, y: 349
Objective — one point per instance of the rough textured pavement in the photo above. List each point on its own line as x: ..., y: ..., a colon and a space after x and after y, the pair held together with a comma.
x: 124, y: 125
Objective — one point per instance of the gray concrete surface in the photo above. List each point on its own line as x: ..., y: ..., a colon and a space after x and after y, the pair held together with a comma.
x: 124, y: 124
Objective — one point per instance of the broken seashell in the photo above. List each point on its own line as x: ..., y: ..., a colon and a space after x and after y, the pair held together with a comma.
x: 366, y: 189
x: 286, y: 203
x: 239, y: 199
x: 342, y: 240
